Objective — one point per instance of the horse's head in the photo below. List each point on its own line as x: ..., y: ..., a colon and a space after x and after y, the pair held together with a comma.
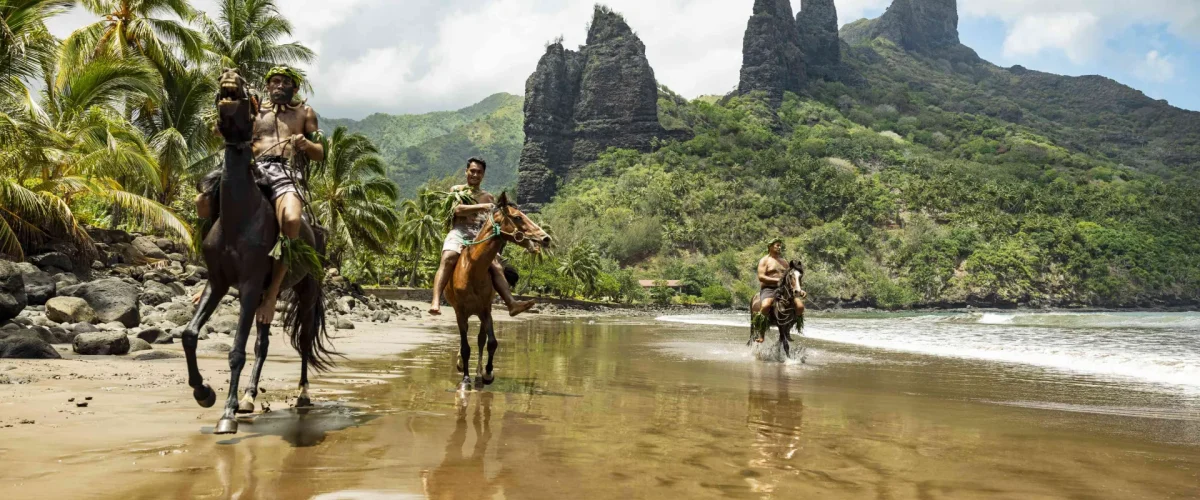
x: 793, y: 281
x: 516, y: 226
x: 235, y: 108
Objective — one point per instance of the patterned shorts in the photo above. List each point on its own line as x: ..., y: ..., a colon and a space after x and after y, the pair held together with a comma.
x: 274, y: 174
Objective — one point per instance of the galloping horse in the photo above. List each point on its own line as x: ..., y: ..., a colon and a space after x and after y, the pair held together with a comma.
x: 783, y: 314
x: 236, y: 251
x: 470, y: 290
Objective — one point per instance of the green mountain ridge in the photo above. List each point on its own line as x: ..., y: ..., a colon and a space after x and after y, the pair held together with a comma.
x: 431, y: 146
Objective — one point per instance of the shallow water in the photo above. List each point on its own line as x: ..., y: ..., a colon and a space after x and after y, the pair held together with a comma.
x: 610, y: 408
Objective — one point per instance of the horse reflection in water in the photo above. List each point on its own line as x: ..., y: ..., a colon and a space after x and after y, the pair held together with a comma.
x: 462, y: 476
x: 776, y: 419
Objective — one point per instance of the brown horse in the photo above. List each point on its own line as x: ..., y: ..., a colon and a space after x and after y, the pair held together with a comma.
x: 470, y: 290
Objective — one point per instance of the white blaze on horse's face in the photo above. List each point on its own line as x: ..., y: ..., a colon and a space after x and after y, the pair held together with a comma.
x: 796, y: 284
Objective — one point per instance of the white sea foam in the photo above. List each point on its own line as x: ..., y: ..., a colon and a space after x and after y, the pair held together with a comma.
x: 1157, y: 348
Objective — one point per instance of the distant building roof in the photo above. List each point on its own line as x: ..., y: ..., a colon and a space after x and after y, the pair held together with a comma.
x: 670, y: 283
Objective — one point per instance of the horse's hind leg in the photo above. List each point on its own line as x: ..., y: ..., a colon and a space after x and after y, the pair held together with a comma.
x: 260, y: 357
x: 202, y: 392
x: 490, y: 327
x: 251, y: 296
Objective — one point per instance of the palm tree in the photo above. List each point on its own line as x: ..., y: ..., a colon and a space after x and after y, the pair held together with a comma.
x: 25, y: 44
x: 582, y: 265
x: 352, y: 196
x: 424, y: 224
x: 137, y: 27
x: 181, y: 133
x: 246, y: 36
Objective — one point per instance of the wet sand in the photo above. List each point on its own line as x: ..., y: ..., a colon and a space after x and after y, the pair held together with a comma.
x: 609, y: 408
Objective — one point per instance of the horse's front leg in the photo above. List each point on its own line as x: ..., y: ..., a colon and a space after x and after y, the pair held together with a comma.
x: 489, y: 327
x: 251, y: 295
x: 260, y: 357
x: 202, y: 392
x: 464, y: 351
x: 785, y: 334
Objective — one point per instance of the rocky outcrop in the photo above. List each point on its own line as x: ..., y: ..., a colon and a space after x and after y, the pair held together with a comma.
x: 771, y: 58
x: 817, y: 24
x: 579, y: 104
x: 916, y: 25
x: 12, y: 291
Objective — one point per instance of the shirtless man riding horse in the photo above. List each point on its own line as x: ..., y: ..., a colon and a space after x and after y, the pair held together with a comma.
x: 468, y: 220
x: 285, y: 128
x: 771, y: 270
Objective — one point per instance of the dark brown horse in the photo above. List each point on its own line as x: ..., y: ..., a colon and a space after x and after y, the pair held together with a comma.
x: 236, y: 251
x: 783, y: 314
x: 470, y: 290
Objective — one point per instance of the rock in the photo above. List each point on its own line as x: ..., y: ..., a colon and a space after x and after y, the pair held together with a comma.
x: 65, y: 279
x: 916, y: 25
x: 216, y: 347
x: 177, y: 257
x: 84, y: 328
x: 40, y: 285
x: 381, y: 317
x: 62, y: 335
x: 111, y: 343
x: 54, y: 260
x: 112, y: 299
x: 155, y: 355
x: 771, y: 59
x: 149, y: 248
x: 156, y: 336
x: 10, y: 327
x: 155, y: 293
x: 70, y: 310
x: 179, y: 313
x: 12, y: 291
x: 165, y: 244
x: 345, y: 305
x: 578, y: 104
x: 817, y: 24
x: 223, y: 324
x: 136, y: 344
x: 344, y: 324
x: 20, y: 347
x: 111, y: 326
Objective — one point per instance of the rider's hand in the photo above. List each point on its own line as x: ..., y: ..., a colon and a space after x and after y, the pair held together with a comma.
x: 300, y: 141
x: 487, y: 207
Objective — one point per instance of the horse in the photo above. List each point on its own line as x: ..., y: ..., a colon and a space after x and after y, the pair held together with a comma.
x: 236, y: 251
x: 783, y: 315
x: 470, y: 290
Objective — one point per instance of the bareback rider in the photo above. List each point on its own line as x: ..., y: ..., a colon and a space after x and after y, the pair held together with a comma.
x: 284, y: 129
x: 771, y: 269
x: 468, y: 221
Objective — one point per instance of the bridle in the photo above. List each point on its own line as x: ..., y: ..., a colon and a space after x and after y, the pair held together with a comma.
x: 517, y: 236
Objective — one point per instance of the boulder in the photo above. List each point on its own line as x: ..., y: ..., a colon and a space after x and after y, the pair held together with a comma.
x: 52, y: 260
x: 344, y: 324
x: 21, y: 347
x: 69, y: 310
x: 147, y: 247
x: 156, y: 336
x: 65, y: 279
x: 165, y: 244
x: 381, y: 317
x: 112, y: 299
x: 108, y: 343
x: 12, y: 291
x: 179, y: 313
x: 136, y: 344
x: 216, y: 347
x: 62, y: 335
x: 223, y: 324
x: 156, y: 355
x: 155, y: 293
x: 84, y: 328
x: 40, y: 285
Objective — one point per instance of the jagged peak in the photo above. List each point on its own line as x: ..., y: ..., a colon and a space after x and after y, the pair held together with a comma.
x: 607, y: 24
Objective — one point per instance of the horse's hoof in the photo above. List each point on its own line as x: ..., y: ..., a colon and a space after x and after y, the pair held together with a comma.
x: 458, y: 365
x: 205, y: 396
x: 465, y: 385
x: 303, y: 401
x: 226, y: 426
x: 488, y: 378
x: 246, y: 407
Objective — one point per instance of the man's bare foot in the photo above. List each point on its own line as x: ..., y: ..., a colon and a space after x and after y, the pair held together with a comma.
x: 520, y: 307
x: 196, y: 298
x: 435, y: 309
x: 266, y: 311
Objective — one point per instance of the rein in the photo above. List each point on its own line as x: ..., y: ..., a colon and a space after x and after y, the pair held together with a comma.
x: 517, y: 236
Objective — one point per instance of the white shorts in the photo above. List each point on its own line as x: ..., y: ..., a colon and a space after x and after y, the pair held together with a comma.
x: 456, y: 240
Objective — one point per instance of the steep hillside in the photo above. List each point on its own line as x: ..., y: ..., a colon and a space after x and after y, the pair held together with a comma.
x: 434, y: 145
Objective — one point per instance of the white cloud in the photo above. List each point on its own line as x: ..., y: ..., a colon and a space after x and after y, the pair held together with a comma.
x: 1077, y: 34
x: 1156, y: 68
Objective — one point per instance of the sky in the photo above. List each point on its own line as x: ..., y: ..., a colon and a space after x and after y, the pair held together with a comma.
x: 416, y: 56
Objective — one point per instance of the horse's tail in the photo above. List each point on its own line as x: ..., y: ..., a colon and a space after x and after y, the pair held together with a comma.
x: 304, y: 321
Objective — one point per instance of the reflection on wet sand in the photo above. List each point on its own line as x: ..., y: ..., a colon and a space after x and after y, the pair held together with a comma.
x: 606, y: 411
x: 462, y: 477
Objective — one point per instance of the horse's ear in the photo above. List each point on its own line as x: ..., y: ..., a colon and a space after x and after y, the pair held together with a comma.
x: 503, y: 201
x: 798, y: 265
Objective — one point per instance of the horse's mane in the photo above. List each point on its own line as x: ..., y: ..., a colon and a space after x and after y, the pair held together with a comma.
x: 785, y: 305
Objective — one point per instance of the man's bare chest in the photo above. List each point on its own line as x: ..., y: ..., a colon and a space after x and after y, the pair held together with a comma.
x: 282, y: 125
